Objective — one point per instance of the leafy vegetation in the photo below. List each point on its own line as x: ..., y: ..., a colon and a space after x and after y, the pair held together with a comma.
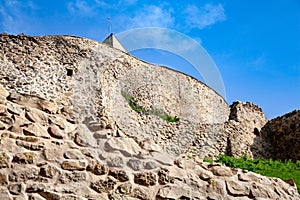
x: 272, y: 168
x: 140, y: 109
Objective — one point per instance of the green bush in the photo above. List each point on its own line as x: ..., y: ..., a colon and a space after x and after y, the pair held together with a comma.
x: 272, y: 168
x: 140, y: 109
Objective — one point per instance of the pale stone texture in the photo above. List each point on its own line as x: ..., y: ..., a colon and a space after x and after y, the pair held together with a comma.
x: 243, y: 127
x: 66, y: 132
x: 282, y: 135
x: 90, y: 78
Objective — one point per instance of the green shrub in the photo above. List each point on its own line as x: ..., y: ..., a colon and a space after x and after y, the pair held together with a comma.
x: 141, y: 110
x: 271, y: 168
x: 209, y: 160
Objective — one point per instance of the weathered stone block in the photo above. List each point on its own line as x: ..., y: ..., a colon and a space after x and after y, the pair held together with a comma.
x: 55, y: 155
x: 55, y: 132
x: 125, y: 188
x: 73, y: 165
x: 3, y: 126
x: 13, y: 108
x: 48, y: 107
x: 4, y: 160
x: 49, y: 171
x: 116, y: 161
x: 73, y: 154
x: 3, y: 91
x: 120, y: 175
x: 84, y: 137
x: 140, y: 193
x: 259, y: 191
x: 145, y: 178
x: 204, y: 174
x: 150, y: 165
x: 221, y: 171
x: 35, y: 187
x: 163, y: 177
x: 127, y: 146
x: 30, y: 146
x: 23, y: 174
x: 135, y: 164
x: 3, y: 109
x: 100, y: 169
x: 3, y: 178
x: 76, y: 176
x: 5, y: 195
x: 35, y: 197
x: 237, y: 189
x: 37, y: 116
x: 16, y: 188
x: 25, y: 158
x: 173, y: 192
x: 106, y: 185
x: 50, y: 195
x: 36, y: 130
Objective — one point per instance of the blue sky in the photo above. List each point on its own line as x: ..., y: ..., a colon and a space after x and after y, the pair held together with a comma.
x: 255, y: 44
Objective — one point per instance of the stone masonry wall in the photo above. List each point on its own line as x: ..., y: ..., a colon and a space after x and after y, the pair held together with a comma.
x: 88, y: 77
x: 67, y: 132
x: 45, y: 156
x: 243, y: 128
x: 250, y: 133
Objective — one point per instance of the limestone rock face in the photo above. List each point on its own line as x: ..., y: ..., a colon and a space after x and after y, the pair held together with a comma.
x: 282, y: 134
x: 67, y: 132
x: 251, y: 134
x: 243, y: 127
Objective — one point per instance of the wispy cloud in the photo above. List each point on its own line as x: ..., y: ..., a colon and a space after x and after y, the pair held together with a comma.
x: 259, y: 61
x: 152, y: 16
x: 205, y: 16
x: 81, y: 8
x: 7, y: 19
x: 14, y: 15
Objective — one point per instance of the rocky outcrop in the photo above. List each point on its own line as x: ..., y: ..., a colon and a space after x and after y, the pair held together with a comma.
x: 283, y: 136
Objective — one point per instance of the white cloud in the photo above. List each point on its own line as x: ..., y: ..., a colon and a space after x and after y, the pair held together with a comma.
x: 129, y: 2
x: 81, y: 8
x: 85, y: 8
x: 259, y: 62
x: 151, y: 16
x: 7, y: 20
x: 205, y: 16
x: 14, y: 16
x: 115, y: 4
x: 157, y: 38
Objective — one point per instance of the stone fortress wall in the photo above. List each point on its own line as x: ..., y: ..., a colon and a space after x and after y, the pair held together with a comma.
x: 67, y: 131
x: 244, y: 124
x: 283, y: 135
x: 89, y: 77
x: 46, y: 156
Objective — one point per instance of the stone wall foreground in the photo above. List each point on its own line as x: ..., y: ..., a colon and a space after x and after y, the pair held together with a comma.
x: 67, y: 132
x: 48, y: 156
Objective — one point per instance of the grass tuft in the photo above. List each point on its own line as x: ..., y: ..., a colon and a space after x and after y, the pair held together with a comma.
x: 140, y: 109
x: 284, y: 170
